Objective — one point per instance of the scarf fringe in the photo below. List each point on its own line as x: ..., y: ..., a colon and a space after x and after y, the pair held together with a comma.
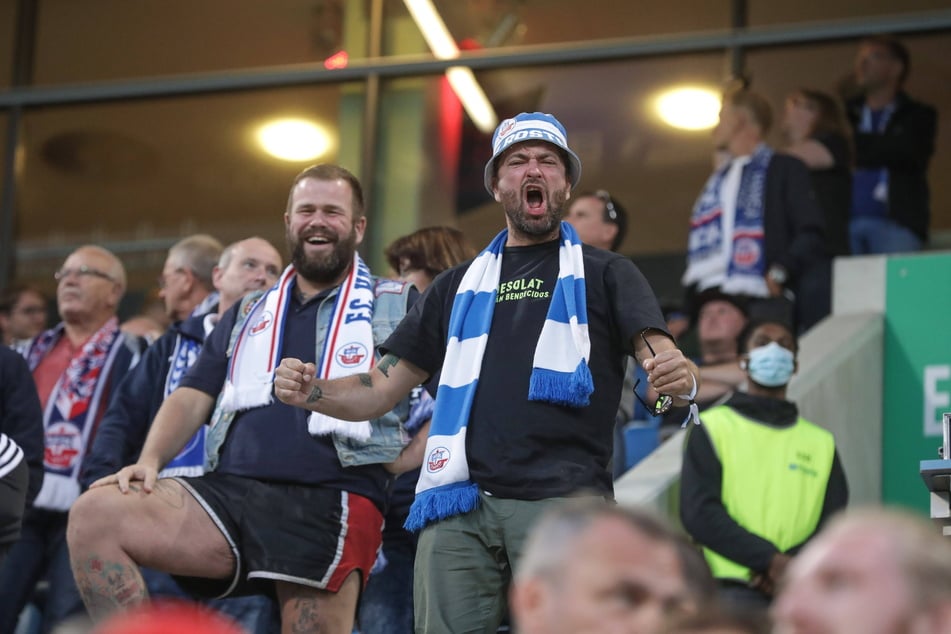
x: 562, y: 388
x: 433, y: 505
x: 321, y: 425
x: 235, y: 400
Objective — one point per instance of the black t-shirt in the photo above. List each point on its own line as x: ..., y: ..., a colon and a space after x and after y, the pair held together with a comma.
x: 833, y: 189
x: 524, y: 449
x: 272, y: 442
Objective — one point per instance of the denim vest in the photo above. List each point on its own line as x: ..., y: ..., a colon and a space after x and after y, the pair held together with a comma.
x: 387, y: 436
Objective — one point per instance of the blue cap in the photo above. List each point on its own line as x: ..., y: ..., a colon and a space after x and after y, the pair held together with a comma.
x: 531, y: 126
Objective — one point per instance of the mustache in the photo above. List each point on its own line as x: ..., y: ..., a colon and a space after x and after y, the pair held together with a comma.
x: 318, y: 233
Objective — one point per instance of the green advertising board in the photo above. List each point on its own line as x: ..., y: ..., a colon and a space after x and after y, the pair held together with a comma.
x: 917, y: 372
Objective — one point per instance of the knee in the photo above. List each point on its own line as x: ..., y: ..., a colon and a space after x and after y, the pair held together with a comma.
x: 91, y: 518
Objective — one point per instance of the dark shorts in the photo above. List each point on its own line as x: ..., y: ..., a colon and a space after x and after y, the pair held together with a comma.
x: 302, y: 534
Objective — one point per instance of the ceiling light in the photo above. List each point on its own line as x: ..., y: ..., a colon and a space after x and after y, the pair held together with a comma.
x: 463, y: 82
x: 689, y: 108
x: 293, y: 139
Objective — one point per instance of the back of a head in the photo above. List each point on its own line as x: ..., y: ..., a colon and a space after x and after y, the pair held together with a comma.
x: 755, y: 105
x: 829, y: 117
x: 198, y: 253
x: 549, y: 542
x: 431, y: 249
x: 922, y: 553
x: 168, y: 617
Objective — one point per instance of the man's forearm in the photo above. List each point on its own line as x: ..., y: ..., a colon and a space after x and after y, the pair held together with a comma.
x: 180, y: 416
x: 358, y: 397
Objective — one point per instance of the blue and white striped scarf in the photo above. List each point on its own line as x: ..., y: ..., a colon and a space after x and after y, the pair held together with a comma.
x: 560, y: 372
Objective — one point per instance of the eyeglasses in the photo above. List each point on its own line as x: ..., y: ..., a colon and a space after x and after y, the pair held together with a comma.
x: 82, y: 271
x: 610, y: 212
x: 664, y: 402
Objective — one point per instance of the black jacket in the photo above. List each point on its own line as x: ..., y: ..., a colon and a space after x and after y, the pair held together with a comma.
x: 905, y: 149
x: 21, y: 417
x: 793, y: 223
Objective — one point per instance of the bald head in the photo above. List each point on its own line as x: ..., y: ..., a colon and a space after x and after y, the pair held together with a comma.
x: 873, y: 571
x: 91, y: 283
x: 591, y: 566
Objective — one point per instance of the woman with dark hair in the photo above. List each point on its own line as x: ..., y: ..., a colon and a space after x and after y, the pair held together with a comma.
x: 387, y: 602
x: 816, y: 134
x: 424, y: 254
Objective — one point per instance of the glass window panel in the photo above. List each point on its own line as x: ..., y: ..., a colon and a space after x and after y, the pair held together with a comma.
x: 7, y: 21
x: 763, y: 12
x: 140, y: 175
x: 828, y: 67
x: 477, y: 24
x: 117, y: 39
x: 609, y: 112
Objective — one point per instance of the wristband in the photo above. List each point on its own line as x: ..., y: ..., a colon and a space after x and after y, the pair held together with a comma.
x: 694, y: 411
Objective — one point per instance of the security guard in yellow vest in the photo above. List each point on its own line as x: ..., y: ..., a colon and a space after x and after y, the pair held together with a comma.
x: 758, y: 480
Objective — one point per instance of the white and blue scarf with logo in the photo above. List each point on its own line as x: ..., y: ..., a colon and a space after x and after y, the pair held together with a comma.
x: 747, y: 258
x: 348, y: 348
x: 560, y: 372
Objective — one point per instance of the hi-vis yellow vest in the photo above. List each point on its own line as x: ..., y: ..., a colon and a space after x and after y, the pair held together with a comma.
x: 774, y: 480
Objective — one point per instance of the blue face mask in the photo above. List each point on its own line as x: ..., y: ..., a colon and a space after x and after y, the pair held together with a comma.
x: 771, y: 365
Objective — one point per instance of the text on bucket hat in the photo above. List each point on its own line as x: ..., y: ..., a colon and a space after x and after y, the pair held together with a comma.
x: 531, y: 126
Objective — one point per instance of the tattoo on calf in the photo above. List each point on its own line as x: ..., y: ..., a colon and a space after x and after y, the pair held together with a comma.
x: 108, y: 587
x: 315, y: 394
x: 386, y: 363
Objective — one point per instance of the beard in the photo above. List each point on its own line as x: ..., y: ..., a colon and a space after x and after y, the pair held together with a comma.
x: 513, y: 203
x: 322, y: 269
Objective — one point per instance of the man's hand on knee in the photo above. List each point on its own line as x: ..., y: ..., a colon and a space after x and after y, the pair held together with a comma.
x: 126, y: 478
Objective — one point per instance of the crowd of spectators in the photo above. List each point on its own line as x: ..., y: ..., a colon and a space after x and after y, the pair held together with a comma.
x: 317, y: 448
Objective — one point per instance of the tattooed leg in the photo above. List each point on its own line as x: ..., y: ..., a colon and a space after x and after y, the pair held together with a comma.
x: 108, y: 586
x: 307, y: 610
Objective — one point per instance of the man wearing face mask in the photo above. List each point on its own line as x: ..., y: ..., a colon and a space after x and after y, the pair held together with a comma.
x: 758, y: 480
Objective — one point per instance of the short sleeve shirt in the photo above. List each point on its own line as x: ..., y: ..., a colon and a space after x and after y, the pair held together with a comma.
x: 272, y: 442
x: 524, y: 449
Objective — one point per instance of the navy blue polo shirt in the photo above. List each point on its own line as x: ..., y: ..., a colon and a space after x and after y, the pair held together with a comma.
x: 272, y: 443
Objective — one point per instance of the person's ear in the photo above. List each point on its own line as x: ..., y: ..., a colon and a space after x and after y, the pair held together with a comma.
x: 527, y: 599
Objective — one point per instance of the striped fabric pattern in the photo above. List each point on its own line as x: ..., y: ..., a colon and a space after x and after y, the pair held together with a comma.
x: 560, y: 372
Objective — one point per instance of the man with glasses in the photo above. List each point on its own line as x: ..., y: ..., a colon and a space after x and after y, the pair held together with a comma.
x: 22, y: 315
x: 245, y: 266
x: 186, y: 284
x: 521, y: 418
x: 76, y: 366
x: 757, y: 479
